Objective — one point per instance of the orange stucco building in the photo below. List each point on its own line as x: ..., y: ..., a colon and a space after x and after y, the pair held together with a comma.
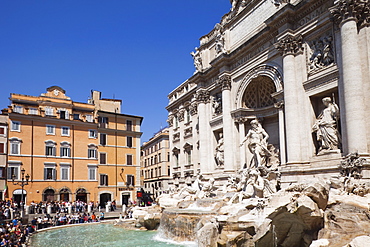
x: 57, y: 142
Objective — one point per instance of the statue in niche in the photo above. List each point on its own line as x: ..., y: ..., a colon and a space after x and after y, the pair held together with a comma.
x: 322, y: 53
x: 257, y: 144
x: 219, y: 154
x: 325, y: 127
x: 219, y: 40
x: 197, y: 60
x: 217, y: 105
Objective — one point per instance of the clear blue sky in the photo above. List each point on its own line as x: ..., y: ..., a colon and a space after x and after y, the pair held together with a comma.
x: 137, y: 51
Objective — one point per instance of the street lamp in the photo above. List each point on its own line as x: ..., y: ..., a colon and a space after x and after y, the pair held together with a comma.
x: 22, y: 183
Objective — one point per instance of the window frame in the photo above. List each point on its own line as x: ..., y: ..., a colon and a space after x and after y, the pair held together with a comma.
x: 53, y: 174
x: 93, y: 134
x: 65, y: 168
x: 100, y: 158
x: 49, y: 111
x: 129, y: 161
x: 14, y: 124
x: 129, y: 141
x: 130, y: 180
x: 15, y: 142
x: 18, y: 109
x: 33, y: 111
x: 103, y: 179
x: 13, y: 169
x: 50, y: 146
x: 65, y: 128
x: 91, y: 171
x: 92, y: 152
x: 52, y: 127
x: 65, y: 149
x: 129, y: 125
x: 103, y: 138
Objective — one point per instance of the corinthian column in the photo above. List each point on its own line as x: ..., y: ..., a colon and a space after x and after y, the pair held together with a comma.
x: 225, y: 81
x: 203, y: 98
x: 346, y: 13
x: 290, y: 46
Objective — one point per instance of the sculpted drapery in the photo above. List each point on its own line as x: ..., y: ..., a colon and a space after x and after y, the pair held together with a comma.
x: 326, y: 127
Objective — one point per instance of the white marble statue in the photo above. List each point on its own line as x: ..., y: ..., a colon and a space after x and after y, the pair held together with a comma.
x: 325, y: 127
x: 197, y: 60
x: 251, y: 185
x: 217, y: 105
x: 257, y: 144
x: 219, y: 40
x: 233, y: 4
x: 207, y: 189
x: 219, y: 151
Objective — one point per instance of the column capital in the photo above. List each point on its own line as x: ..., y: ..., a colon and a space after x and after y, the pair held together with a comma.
x: 193, y: 108
x: 170, y: 120
x: 345, y: 10
x: 290, y: 45
x: 225, y: 81
x: 181, y: 114
x: 202, y: 96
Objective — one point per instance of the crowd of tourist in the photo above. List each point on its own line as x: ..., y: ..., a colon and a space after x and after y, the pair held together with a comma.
x: 59, y: 219
x: 65, y: 207
x: 46, y: 214
x: 14, y: 233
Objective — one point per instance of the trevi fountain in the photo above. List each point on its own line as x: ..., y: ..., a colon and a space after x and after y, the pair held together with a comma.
x: 269, y: 138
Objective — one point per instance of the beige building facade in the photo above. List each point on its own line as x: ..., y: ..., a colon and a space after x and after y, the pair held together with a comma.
x: 275, y: 82
x: 155, y: 164
x: 119, y: 151
x: 3, y: 154
x: 61, y: 145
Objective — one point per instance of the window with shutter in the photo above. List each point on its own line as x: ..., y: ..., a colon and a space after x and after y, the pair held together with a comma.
x: 103, y: 158
x: 129, y: 141
x: 103, y: 139
x: 129, y: 159
x: 13, y: 172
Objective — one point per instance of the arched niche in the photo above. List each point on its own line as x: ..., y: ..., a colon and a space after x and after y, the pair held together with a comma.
x: 268, y: 75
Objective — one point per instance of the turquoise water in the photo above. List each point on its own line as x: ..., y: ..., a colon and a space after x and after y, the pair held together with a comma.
x: 100, y: 235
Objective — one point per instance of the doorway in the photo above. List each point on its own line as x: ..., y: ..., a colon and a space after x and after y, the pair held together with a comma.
x: 104, y: 198
x: 81, y: 195
x: 48, y: 195
x: 125, y: 198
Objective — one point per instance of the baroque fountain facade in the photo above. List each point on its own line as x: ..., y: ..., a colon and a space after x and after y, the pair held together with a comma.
x: 269, y: 138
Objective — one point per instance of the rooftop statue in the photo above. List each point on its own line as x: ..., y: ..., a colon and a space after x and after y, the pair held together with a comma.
x: 197, y: 60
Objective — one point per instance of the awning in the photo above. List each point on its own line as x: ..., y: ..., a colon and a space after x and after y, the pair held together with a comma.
x: 19, y: 192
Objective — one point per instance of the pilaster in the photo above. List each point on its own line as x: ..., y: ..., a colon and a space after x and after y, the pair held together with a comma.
x: 225, y: 81
x: 290, y: 46
x: 348, y: 13
x: 203, y: 98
